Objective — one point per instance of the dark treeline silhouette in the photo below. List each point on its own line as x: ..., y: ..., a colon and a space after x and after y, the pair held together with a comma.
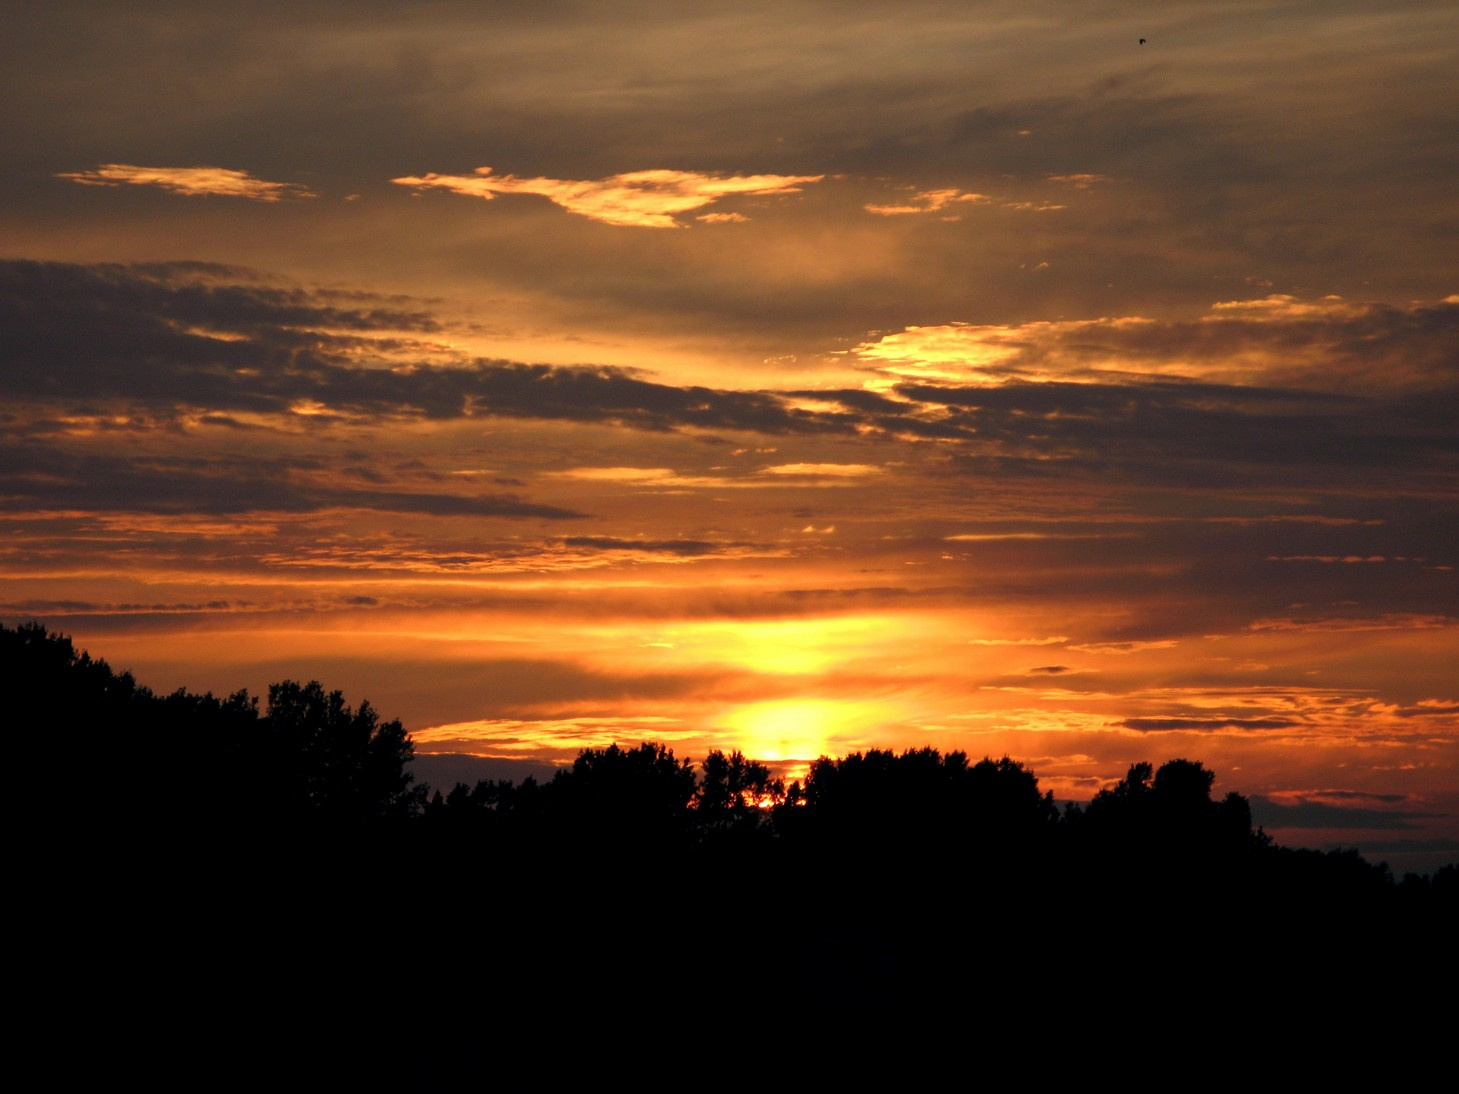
x: 197, y: 762
x: 288, y: 845
x: 190, y: 766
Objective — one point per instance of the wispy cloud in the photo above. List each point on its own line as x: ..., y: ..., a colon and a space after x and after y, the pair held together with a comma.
x: 824, y: 470
x: 659, y: 478
x: 636, y: 199
x: 1054, y: 640
x: 190, y: 181
x: 560, y: 738
x: 1161, y: 725
x: 1123, y: 648
x: 1081, y: 181
x: 1329, y: 344
x: 927, y: 201
x: 943, y: 201
x: 1389, y: 621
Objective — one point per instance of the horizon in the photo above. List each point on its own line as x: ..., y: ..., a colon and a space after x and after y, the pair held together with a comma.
x: 1071, y: 383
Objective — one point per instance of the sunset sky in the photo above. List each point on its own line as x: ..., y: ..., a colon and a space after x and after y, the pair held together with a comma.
x: 796, y: 377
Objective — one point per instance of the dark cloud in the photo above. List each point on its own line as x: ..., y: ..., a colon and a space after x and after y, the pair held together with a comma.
x: 1426, y: 855
x: 1160, y: 431
x: 443, y: 770
x: 34, y: 478
x: 611, y: 395
x: 1156, y: 725
x: 1336, y: 343
x: 32, y: 609
x: 1271, y: 813
x: 188, y: 334
x: 223, y: 344
x: 173, y: 336
x: 867, y: 402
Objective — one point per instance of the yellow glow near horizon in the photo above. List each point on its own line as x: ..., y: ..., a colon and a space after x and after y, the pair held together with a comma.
x: 790, y: 729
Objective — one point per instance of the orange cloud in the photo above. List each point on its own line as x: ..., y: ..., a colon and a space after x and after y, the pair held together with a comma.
x: 928, y: 201
x: 819, y: 474
x: 1330, y: 343
x: 1123, y: 649
x: 553, y: 738
x: 830, y: 470
x: 1082, y: 181
x: 1054, y: 640
x: 952, y: 351
x: 935, y: 201
x: 191, y: 181
x: 637, y: 199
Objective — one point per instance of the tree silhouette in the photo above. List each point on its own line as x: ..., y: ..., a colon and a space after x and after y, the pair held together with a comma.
x: 1157, y: 839
x: 614, y: 792
x: 336, y: 762
x: 734, y: 790
x: 925, y: 795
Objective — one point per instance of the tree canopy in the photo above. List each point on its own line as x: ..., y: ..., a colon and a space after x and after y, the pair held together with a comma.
x: 337, y: 761
x: 119, y: 756
x: 134, y: 755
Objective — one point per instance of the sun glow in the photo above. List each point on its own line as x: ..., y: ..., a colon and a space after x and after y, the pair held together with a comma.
x: 797, y: 647
x: 791, y: 732
x: 790, y: 729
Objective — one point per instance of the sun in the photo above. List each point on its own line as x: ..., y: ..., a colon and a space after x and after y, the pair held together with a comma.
x: 778, y: 730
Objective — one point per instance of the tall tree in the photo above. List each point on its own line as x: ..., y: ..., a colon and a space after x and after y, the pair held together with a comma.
x: 616, y: 792
x: 732, y: 788
x: 336, y: 762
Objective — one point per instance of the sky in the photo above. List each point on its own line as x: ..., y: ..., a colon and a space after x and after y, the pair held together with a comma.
x: 797, y: 377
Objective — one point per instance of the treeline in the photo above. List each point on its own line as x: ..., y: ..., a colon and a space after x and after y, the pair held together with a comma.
x: 915, y: 821
x: 190, y: 766
x: 284, y: 892
x: 108, y: 746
